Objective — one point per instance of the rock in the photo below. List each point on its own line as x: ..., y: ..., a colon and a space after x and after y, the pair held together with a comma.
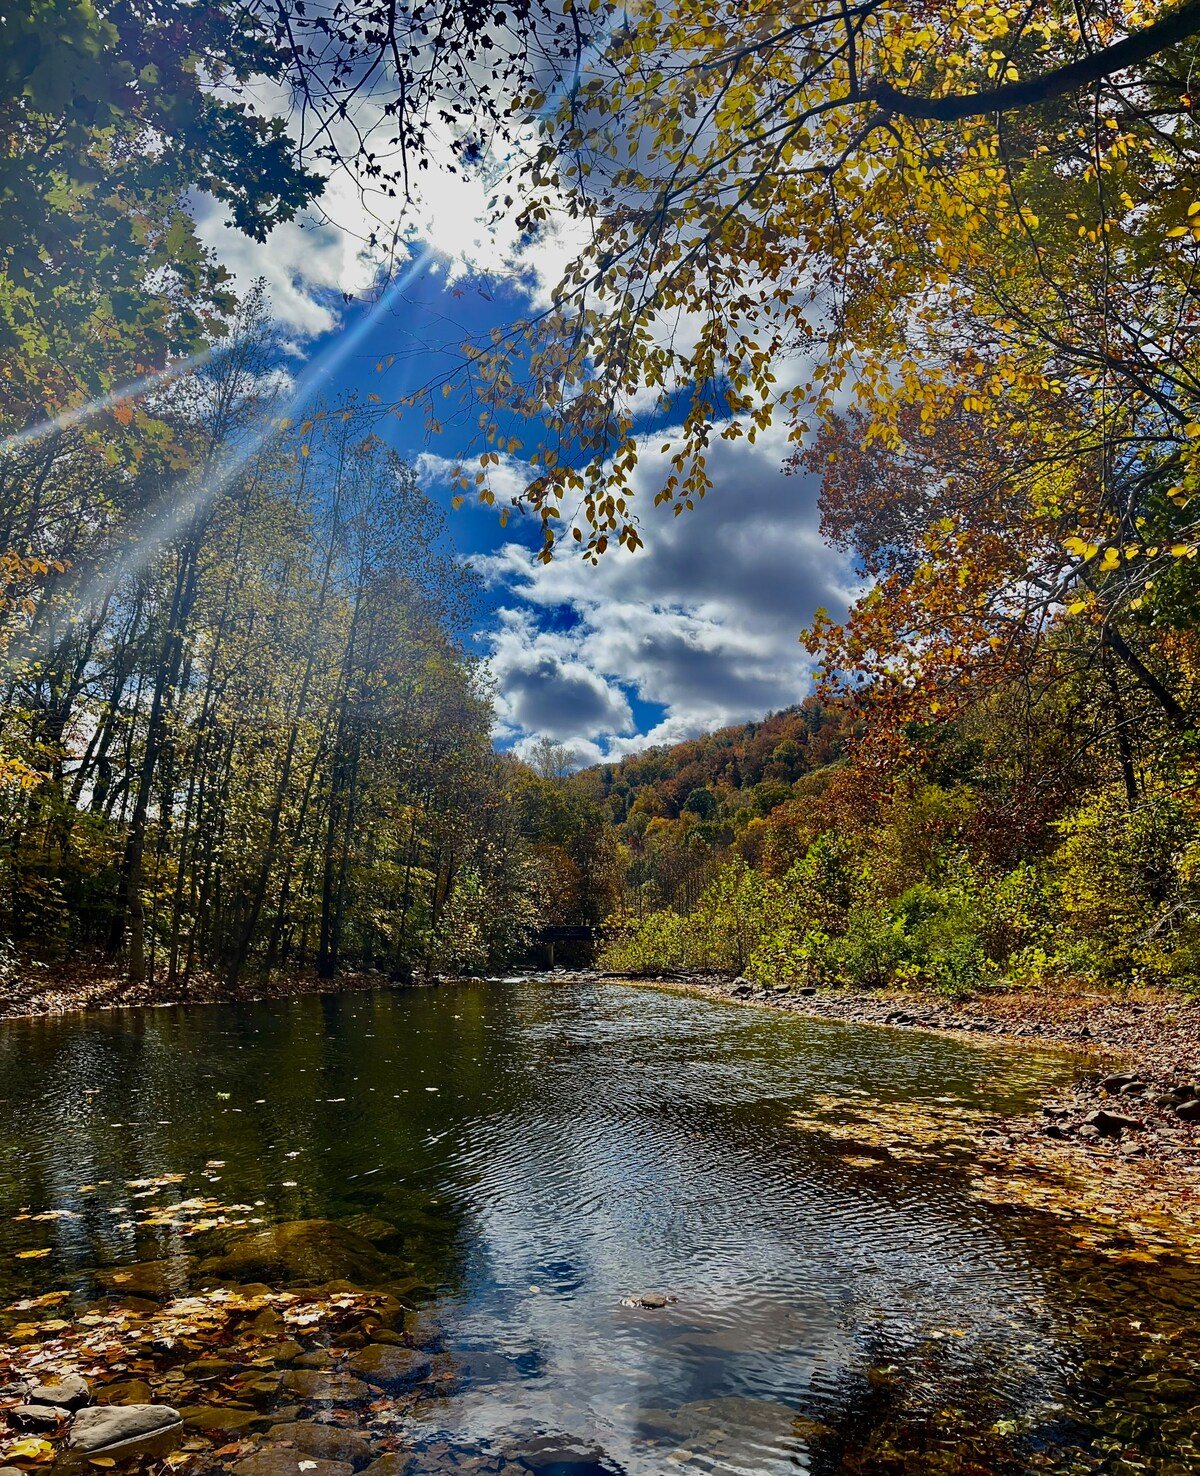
x: 782, y: 988
x: 381, y: 1233
x: 284, y: 1352
x: 421, y: 1331
x: 36, y: 1416
x: 1088, y: 1131
x: 654, y: 1301
x: 155, y: 1281
x: 1189, y: 1111
x: 808, y: 989
x: 142, y: 1306
x: 317, y: 1358
x: 317, y: 1387
x: 262, y: 1390
x: 216, y: 1419
x: 125, y: 1429
x: 206, y: 1369
x: 128, y: 1391
x: 306, y: 1251
x: 389, y: 1367
x: 1111, y: 1124
x: 386, y: 1335
x: 1117, y: 1080
x: 68, y: 1393
x: 563, y: 1456
x: 327, y: 1442
x: 741, y: 987
x: 278, y: 1460
x: 1133, y: 1089
x: 395, y: 1463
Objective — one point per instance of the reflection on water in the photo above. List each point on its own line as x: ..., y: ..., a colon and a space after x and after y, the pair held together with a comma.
x: 546, y: 1152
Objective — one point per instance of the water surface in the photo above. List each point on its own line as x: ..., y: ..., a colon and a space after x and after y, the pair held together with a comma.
x: 549, y: 1152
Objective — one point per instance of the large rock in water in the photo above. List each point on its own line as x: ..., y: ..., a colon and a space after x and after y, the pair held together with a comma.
x: 304, y: 1251
x: 120, y: 1430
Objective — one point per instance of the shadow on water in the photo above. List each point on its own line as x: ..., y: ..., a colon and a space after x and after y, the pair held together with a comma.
x: 533, y: 1159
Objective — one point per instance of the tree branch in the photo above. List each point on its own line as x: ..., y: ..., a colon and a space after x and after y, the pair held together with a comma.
x: 1128, y: 52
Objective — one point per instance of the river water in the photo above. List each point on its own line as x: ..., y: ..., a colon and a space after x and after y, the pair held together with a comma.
x: 551, y: 1152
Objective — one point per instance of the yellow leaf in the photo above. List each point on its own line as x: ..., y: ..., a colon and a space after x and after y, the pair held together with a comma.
x: 1192, y: 430
x: 31, y: 1449
x: 35, y: 1255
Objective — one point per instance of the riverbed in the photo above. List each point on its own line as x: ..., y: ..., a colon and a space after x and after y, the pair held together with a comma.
x: 546, y: 1159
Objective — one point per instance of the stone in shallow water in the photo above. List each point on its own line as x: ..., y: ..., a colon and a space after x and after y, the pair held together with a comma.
x: 155, y: 1281
x: 389, y: 1367
x: 125, y: 1429
x: 67, y: 1393
x: 395, y: 1463
x: 218, y: 1420
x: 300, y: 1251
x: 127, y: 1391
x: 278, y: 1460
x: 319, y: 1387
x: 36, y: 1416
x: 329, y: 1442
x: 564, y: 1455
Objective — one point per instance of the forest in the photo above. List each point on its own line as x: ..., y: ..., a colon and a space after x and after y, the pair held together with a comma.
x: 411, y: 411
x: 245, y: 725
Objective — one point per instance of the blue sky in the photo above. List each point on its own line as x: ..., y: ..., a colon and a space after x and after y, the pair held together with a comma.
x: 697, y: 630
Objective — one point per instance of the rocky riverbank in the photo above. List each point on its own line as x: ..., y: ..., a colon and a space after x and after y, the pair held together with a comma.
x: 238, y: 1376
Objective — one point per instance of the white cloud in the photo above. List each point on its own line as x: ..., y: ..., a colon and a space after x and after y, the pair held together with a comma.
x: 703, y: 621
x: 507, y: 478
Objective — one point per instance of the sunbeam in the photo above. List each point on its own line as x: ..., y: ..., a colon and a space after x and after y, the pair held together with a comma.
x: 180, y: 506
x: 127, y: 392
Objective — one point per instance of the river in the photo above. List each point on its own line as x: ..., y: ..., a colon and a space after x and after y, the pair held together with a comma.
x: 549, y: 1153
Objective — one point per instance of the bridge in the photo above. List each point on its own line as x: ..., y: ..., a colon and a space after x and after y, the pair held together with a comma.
x: 568, y: 933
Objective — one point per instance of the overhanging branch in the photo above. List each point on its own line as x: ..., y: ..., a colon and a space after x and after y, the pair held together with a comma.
x: 1128, y: 52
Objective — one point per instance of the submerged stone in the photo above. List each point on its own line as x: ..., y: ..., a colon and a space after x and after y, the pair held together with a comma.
x: 127, y: 1391
x: 317, y: 1387
x: 389, y: 1367
x: 329, y: 1442
x: 309, y: 1251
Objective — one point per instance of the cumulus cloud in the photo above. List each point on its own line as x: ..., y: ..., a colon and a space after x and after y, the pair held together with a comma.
x: 703, y: 622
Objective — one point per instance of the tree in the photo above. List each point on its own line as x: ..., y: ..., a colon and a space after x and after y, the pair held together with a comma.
x: 958, y: 209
